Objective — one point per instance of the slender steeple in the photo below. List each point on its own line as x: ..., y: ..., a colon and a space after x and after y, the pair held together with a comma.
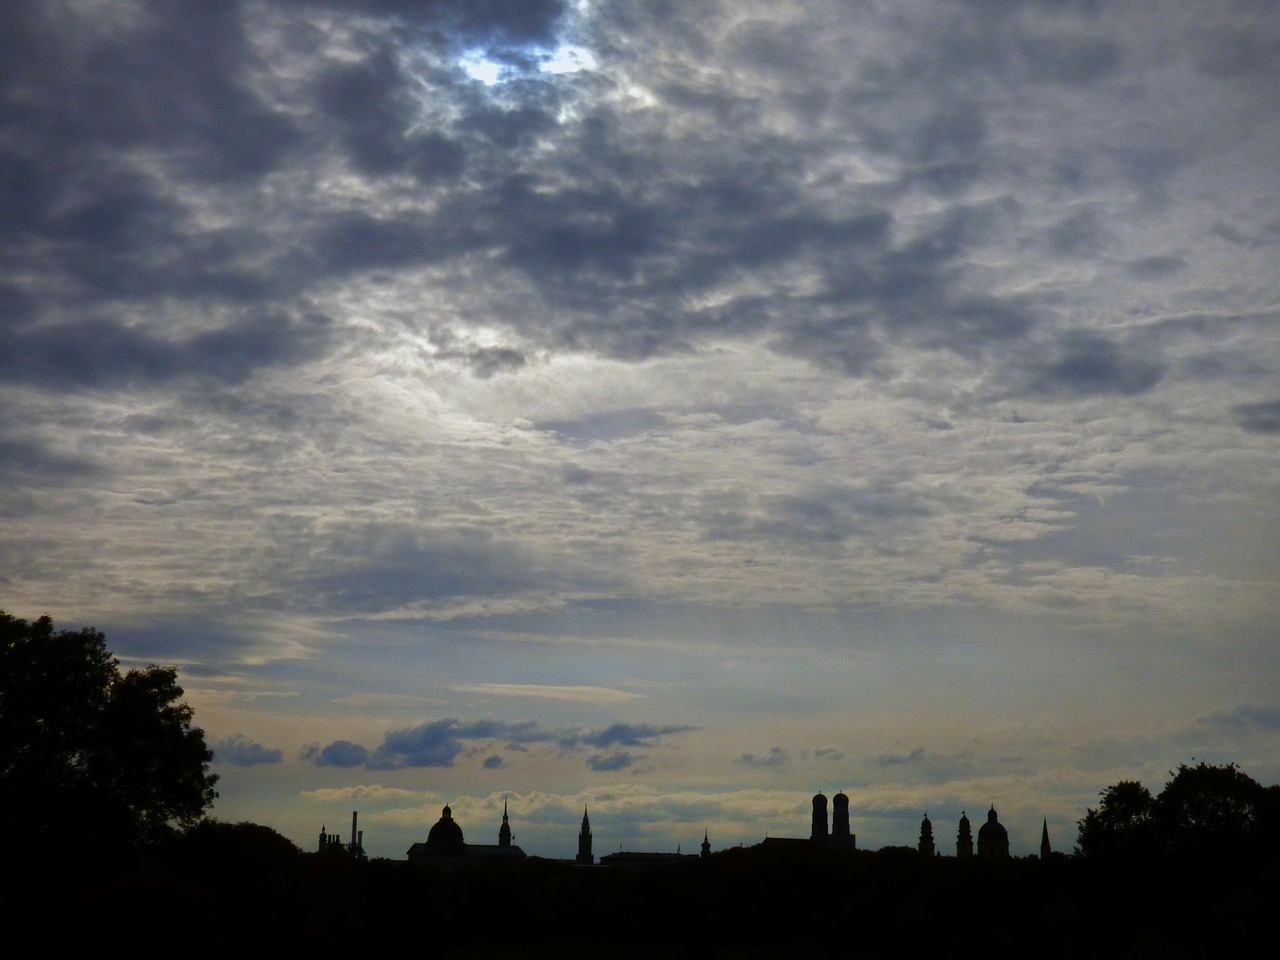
x: 584, y: 840
x: 504, y: 832
x: 706, y: 845
x: 1045, y: 850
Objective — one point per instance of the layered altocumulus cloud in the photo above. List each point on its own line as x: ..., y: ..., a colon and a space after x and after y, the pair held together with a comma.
x: 198, y: 200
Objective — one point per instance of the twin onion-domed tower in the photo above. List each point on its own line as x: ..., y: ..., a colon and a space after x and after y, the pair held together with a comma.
x: 840, y: 837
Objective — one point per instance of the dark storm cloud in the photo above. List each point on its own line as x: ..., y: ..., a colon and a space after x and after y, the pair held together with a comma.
x: 340, y: 753
x: 1091, y: 364
x: 367, y: 100
x: 899, y: 759
x: 377, y: 568
x: 494, y: 762
x: 608, y: 763
x: 355, y: 242
x: 101, y: 354
x: 504, y: 22
x: 1258, y: 417
x: 776, y: 757
x: 623, y: 735
x: 1244, y: 47
x: 31, y: 462
x: 167, y: 78
x: 617, y: 235
x: 822, y: 516
x: 439, y: 744
x: 1246, y: 718
x: 370, y: 102
x: 203, y: 644
x: 239, y: 751
x: 606, y: 426
x: 921, y: 765
x: 616, y: 256
x: 484, y: 362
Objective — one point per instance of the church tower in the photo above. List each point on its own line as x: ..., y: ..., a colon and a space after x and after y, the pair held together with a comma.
x: 841, y: 837
x: 926, y: 837
x: 706, y: 845
x: 584, y: 841
x: 504, y: 832
x: 964, y: 839
x: 819, y: 832
x: 1044, y: 842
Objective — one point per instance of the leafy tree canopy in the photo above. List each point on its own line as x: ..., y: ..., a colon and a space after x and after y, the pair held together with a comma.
x: 1124, y: 822
x: 1204, y: 810
x: 89, y: 755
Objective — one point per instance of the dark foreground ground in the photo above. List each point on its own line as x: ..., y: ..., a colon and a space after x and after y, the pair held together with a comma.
x: 242, y: 889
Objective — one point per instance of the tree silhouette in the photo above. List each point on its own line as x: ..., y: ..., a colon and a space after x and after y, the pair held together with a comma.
x: 88, y: 754
x: 1123, y: 825
x: 1203, y: 811
x: 1209, y: 810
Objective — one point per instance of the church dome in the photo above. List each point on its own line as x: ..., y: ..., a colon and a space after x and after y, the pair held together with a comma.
x: 446, y: 830
x: 993, y: 829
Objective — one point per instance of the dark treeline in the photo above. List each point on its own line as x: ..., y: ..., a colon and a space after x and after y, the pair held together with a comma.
x: 104, y: 781
x: 220, y: 886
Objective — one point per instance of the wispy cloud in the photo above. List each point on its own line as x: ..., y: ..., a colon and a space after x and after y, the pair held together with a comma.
x: 573, y: 694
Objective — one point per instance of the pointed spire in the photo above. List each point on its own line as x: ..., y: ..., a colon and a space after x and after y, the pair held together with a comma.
x: 504, y: 831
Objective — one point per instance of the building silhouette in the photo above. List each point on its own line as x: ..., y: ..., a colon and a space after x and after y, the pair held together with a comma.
x: 993, y: 839
x: 584, y: 842
x: 819, y: 832
x: 841, y: 837
x: 504, y: 831
x: 332, y: 842
x: 446, y: 844
x: 926, y: 837
x: 964, y: 839
x: 1045, y: 849
x: 838, y: 838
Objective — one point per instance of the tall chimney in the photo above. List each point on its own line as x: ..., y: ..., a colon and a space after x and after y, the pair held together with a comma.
x: 353, y: 830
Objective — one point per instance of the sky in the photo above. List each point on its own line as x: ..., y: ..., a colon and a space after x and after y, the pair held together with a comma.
x: 671, y: 410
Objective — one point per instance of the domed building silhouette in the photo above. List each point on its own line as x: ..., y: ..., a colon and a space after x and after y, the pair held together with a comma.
x: 993, y: 838
x: 445, y: 844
